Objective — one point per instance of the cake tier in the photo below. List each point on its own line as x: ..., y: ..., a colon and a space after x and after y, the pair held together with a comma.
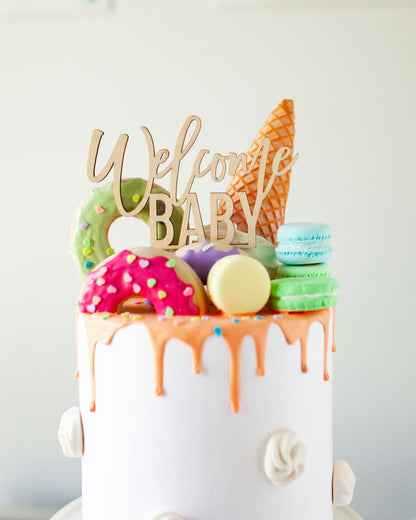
x: 185, y: 451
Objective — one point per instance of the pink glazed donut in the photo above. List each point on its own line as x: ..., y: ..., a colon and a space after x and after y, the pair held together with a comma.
x: 165, y: 280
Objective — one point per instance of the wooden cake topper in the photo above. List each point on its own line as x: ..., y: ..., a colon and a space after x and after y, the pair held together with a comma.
x: 161, y: 205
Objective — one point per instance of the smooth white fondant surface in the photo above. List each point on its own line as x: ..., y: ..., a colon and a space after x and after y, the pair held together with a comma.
x: 185, y: 451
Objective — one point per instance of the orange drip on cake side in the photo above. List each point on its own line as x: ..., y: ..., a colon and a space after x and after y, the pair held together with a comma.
x: 334, y: 348
x: 102, y: 330
x: 292, y: 335
x: 194, y: 332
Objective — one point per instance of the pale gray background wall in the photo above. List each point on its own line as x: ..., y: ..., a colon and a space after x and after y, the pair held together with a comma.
x: 352, y: 75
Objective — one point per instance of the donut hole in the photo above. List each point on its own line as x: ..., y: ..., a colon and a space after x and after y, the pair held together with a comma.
x: 128, y: 232
x: 136, y: 305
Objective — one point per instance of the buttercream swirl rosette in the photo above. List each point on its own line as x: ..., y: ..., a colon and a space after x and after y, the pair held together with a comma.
x: 343, y: 484
x: 285, y: 457
x: 70, y: 433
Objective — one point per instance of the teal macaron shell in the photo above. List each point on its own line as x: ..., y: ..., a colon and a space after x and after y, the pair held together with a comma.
x: 304, y: 243
x: 301, y: 294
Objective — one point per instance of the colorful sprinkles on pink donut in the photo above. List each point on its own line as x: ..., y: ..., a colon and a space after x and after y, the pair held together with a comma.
x: 126, y: 275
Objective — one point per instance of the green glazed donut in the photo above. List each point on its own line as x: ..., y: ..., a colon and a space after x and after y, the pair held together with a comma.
x: 89, y: 242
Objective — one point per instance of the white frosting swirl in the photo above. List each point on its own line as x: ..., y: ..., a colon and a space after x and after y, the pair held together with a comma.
x: 343, y: 483
x: 70, y: 433
x: 284, y: 460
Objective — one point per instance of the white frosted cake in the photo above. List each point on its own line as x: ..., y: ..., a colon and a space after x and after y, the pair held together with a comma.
x: 205, y: 372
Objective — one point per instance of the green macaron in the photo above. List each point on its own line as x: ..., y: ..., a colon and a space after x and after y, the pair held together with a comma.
x: 303, y: 293
x: 310, y: 271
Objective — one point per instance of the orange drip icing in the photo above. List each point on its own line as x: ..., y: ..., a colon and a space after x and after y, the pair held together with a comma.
x: 334, y: 348
x: 196, y: 359
x: 295, y: 326
x: 92, y: 371
x: 194, y: 332
x: 161, y: 332
x: 234, y: 352
x: 159, y: 353
x: 101, y: 330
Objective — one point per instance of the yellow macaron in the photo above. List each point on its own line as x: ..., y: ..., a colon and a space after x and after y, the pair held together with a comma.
x: 238, y: 285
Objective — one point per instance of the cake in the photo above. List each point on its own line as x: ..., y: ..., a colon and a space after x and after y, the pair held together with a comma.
x: 204, y: 363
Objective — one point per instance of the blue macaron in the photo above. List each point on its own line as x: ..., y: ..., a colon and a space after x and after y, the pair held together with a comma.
x: 304, y: 243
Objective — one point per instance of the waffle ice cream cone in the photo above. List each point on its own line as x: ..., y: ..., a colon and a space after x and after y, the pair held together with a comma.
x: 280, y: 129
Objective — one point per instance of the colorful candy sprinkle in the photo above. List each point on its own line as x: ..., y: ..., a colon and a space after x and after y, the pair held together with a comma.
x: 99, y: 209
x: 91, y: 308
x: 110, y: 251
x: 126, y: 315
x: 84, y: 225
x: 259, y: 317
x: 135, y: 197
x: 87, y: 242
x: 137, y: 317
x: 205, y: 317
x: 188, y: 291
x: 161, y: 318
x: 88, y: 265
x: 235, y: 320
x: 170, y: 263
x: 105, y: 316
x: 277, y: 316
x: 195, y: 318
x: 117, y: 279
x: 218, y: 331
x: 87, y: 251
x: 144, y: 263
